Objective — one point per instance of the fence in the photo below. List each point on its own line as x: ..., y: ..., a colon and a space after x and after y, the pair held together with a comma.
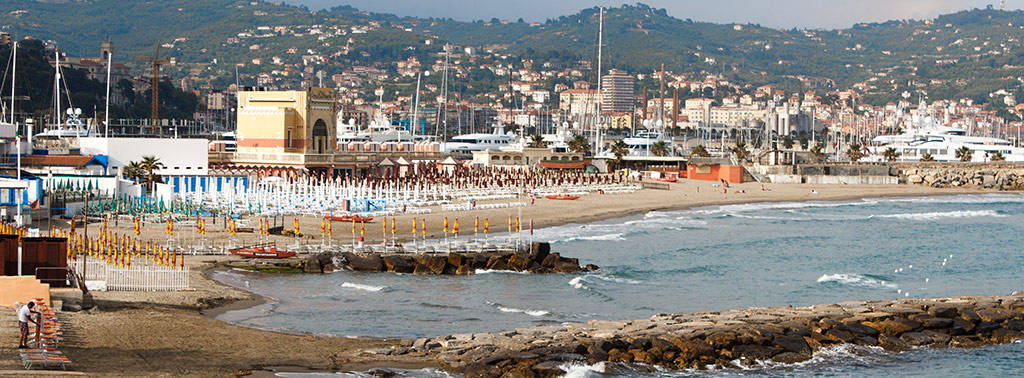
x: 137, y: 278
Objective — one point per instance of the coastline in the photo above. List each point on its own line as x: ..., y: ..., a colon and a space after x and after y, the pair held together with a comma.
x: 158, y: 330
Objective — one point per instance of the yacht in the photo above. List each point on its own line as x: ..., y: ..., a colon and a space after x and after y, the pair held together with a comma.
x: 379, y: 130
x: 925, y: 136
x: 640, y: 143
x: 467, y: 143
x: 73, y: 127
x: 226, y: 142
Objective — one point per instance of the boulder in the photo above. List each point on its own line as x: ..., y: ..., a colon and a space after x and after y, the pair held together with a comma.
x: 520, y: 262
x: 364, y: 262
x: 792, y: 343
x: 430, y: 264
x: 398, y: 264
x: 539, y: 251
x: 895, y: 326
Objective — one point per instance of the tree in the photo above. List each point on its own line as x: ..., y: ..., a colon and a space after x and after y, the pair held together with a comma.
x: 150, y: 164
x: 891, y: 154
x: 854, y: 152
x: 659, y: 148
x: 700, y: 151
x: 998, y: 156
x: 537, y: 141
x: 133, y: 171
x: 964, y: 154
x: 579, y: 144
x: 927, y: 157
x: 619, y: 149
x: 741, y: 151
x: 818, y: 151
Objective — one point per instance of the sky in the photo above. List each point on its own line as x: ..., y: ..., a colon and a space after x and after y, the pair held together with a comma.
x: 784, y: 14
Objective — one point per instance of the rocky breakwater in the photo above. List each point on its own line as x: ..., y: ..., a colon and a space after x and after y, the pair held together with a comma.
x: 956, y: 175
x: 731, y: 338
x: 537, y: 259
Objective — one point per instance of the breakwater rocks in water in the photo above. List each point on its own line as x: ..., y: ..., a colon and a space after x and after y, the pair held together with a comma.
x: 537, y: 259
x: 1001, y: 177
x: 732, y: 338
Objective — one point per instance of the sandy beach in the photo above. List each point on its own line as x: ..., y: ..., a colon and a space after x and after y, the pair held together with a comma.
x: 172, y: 333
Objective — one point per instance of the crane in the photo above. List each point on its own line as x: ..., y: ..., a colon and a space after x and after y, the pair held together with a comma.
x: 154, y: 114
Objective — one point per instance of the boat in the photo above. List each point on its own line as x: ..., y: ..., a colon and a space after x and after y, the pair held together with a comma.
x: 667, y: 179
x: 467, y: 143
x: 262, y: 251
x: 562, y: 197
x: 926, y: 136
x: 348, y: 218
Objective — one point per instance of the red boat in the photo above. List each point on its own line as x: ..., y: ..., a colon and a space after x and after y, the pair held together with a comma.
x: 262, y: 251
x: 667, y: 179
x: 564, y: 197
x: 348, y: 218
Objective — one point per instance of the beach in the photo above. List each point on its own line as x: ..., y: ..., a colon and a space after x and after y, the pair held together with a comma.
x: 173, y: 333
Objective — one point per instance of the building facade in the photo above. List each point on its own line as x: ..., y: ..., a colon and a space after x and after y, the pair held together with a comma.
x: 287, y: 121
x: 618, y: 95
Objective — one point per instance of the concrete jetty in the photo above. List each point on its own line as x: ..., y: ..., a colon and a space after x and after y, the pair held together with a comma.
x: 728, y: 338
x: 537, y: 258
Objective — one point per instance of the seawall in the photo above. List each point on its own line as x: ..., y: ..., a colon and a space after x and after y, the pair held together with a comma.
x: 725, y: 338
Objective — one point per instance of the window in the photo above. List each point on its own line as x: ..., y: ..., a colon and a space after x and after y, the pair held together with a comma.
x: 177, y: 167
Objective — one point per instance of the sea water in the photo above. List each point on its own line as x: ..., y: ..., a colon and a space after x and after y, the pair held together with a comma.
x: 703, y: 259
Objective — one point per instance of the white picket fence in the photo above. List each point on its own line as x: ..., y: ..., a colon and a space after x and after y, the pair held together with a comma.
x: 137, y: 278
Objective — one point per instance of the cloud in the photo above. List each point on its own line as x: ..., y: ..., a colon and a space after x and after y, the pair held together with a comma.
x: 773, y: 13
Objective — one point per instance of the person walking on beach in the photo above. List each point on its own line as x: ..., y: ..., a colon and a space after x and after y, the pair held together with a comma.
x: 25, y: 315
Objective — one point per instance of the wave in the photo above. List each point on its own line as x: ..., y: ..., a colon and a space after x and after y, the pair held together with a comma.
x: 944, y: 214
x: 854, y: 279
x: 493, y: 271
x: 605, y: 237
x: 535, y: 313
x: 612, y: 279
x: 577, y: 282
x: 581, y: 370
x: 363, y: 287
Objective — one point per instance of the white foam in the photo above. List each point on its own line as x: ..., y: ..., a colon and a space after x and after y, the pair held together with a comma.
x: 363, y: 287
x: 854, y: 279
x: 530, y: 312
x: 577, y: 282
x: 493, y: 271
x: 944, y: 214
x: 581, y: 370
x: 604, y: 237
x: 612, y: 279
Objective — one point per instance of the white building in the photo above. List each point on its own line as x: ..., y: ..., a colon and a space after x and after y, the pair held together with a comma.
x: 178, y: 156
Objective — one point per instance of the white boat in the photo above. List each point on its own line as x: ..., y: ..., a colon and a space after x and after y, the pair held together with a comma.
x: 72, y: 127
x: 925, y: 136
x: 379, y: 130
x: 226, y: 142
x: 467, y: 143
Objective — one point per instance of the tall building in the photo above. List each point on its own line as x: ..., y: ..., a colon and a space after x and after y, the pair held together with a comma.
x: 617, y: 94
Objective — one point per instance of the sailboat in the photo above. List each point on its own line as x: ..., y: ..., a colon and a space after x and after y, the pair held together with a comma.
x: 73, y: 126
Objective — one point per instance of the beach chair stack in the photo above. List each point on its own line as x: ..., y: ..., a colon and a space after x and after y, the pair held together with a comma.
x: 45, y: 355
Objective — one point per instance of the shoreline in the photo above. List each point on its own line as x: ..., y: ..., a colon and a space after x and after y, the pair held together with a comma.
x: 138, y: 313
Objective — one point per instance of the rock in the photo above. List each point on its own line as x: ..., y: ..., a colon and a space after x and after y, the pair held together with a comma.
x: 996, y: 314
x: 498, y: 263
x: 792, y: 343
x: 791, y: 358
x: 364, y: 262
x: 928, y: 321
x: 1012, y: 324
x: 398, y: 264
x: 965, y: 342
x: 755, y: 352
x: 926, y: 337
x: 858, y: 329
x: 892, y: 343
x: 519, y: 262
x: 430, y: 264
x: 539, y: 251
x: 721, y: 339
x: 895, y: 326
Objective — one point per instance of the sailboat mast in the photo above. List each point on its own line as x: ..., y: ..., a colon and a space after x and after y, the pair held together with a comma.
x: 14, y: 76
x: 416, y: 106
x: 600, y: 91
x: 56, y: 88
x: 106, y: 111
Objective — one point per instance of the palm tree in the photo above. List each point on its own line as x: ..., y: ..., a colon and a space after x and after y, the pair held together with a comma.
x: 579, y: 144
x: 133, y: 171
x: 700, y: 151
x: 891, y: 154
x: 741, y: 151
x: 854, y: 152
x: 927, y: 157
x: 537, y: 141
x: 998, y: 156
x: 659, y: 148
x: 964, y: 154
x: 818, y: 151
x: 619, y: 149
x: 150, y: 164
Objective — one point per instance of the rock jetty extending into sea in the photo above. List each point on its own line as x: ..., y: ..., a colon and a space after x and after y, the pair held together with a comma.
x: 728, y: 338
x: 537, y: 259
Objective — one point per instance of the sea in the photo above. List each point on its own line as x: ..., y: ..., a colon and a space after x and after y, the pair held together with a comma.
x: 701, y: 259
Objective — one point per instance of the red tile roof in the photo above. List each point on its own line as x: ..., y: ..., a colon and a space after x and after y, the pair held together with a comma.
x: 57, y: 160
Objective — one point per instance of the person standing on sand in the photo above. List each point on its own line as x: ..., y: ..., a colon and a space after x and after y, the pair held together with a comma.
x: 25, y: 315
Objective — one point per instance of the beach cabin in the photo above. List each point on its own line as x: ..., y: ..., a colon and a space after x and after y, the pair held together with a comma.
x: 711, y: 169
